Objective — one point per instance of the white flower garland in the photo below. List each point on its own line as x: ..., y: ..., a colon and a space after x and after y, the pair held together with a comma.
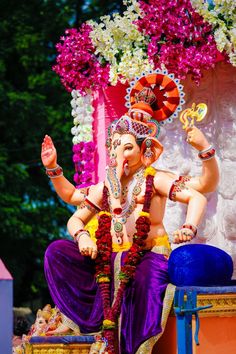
x: 82, y: 112
x: 118, y: 41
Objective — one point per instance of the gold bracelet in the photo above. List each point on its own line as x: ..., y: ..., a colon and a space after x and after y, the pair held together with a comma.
x: 79, y: 233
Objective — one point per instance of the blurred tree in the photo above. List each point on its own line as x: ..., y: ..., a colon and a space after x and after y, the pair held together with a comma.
x: 33, y: 103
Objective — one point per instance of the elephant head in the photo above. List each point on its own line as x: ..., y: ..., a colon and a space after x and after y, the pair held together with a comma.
x: 133, y: 143
x: 127, y: 155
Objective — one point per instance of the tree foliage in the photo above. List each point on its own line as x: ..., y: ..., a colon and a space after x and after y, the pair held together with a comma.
x: 33, y: 103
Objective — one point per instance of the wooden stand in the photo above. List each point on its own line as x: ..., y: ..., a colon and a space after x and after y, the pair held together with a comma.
x: 59, y: 345
x: 76, y: 348
x: 217, y: 331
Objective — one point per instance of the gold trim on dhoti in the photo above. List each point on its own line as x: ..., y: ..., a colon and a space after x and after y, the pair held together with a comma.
x: 69, y: 323
x: 74, y: 327
x: 147, y: 346
x: 117, y: 268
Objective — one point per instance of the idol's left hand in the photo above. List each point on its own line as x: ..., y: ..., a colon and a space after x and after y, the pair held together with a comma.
x: 87, y: 247
x: 196, y: 138
x: 182, y: 235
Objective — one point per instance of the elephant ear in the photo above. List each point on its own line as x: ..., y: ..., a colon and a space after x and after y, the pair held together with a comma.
x: 151, y: 149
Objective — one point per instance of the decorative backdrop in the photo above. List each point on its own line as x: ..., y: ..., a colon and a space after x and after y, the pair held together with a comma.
x: 195, y: 40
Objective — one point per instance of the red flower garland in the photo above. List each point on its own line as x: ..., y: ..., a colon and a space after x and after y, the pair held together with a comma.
x: 133, y: 257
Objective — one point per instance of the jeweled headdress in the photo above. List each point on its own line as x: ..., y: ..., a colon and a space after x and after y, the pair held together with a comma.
x: 153, y: 100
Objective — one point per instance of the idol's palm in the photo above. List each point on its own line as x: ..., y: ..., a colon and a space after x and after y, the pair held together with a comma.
x: 48, y: 153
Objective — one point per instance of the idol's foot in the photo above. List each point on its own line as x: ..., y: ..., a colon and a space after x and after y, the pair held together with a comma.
x: 62, y: 329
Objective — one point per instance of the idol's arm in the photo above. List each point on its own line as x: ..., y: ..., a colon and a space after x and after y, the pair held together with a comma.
x: 209, y: 179
x: 66, y: 190
x: 196, y: 204
x: 80, y: 218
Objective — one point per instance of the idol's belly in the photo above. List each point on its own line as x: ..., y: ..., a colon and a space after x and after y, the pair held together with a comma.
x: 128, y: 230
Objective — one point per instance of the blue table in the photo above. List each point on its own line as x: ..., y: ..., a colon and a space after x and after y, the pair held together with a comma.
x: 185, y: 306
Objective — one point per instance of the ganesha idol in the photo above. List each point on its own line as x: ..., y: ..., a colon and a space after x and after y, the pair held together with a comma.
x: 47, y: 319
x: 118, y: 284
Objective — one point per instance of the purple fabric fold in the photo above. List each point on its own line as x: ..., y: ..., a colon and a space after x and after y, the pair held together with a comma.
x: 73, y: 288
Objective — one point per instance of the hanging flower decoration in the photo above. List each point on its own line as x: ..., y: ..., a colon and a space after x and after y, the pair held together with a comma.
x: 118, y: 41
x: 77, y: 65
x: 179, y: 37
x: 221, y: 14
x: 182, y: 36
x: 83, y: 149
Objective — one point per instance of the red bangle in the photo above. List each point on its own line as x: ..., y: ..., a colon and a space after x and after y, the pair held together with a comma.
x: 54, y: 172
x: 177, y: 186
x: 207, y: 154
x: 92, y: 204
x: 190, y: 227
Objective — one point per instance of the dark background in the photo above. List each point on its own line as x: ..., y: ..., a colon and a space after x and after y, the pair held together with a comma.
x: 34, y: 103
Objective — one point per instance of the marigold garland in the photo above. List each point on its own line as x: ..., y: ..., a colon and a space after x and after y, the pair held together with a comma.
x: 133, y: 257
x: 150, y: 171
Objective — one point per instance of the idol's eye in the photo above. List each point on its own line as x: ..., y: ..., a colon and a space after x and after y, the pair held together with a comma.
x: 129, y: 147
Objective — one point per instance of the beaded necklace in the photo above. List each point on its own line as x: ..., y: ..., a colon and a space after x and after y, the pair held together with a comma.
x: 133, y: 190
x: 134, y: 254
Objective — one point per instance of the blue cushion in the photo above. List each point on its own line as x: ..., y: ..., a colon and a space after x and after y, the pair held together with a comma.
x: 200, y: 265
x: 62, y: 339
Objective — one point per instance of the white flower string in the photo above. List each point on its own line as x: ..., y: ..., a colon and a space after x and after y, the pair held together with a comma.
x: 82, y: 131
x: 82, y: 112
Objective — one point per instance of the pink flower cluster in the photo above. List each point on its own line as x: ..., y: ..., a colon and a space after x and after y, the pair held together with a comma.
x: 83, y: 154
x: 179, y: 37
x: 77, y: 65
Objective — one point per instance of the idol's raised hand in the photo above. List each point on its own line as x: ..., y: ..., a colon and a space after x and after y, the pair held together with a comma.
x: 196, y: 138
x: 48, y: 153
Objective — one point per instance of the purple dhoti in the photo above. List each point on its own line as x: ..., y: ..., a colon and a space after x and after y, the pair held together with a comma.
x: 73, y: 288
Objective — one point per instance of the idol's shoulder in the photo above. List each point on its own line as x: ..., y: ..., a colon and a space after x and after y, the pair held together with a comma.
x: 163, y: 180
x: 165, y: 174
